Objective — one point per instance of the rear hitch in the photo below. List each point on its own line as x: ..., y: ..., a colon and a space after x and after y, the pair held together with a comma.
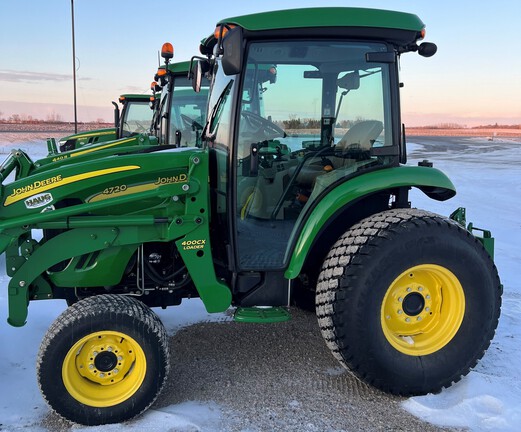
x: 485, y: 236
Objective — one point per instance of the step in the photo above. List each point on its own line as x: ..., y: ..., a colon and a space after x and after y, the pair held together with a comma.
x: 260, y: 314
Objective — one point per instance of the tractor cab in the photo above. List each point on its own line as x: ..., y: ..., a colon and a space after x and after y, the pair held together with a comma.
x: 175, y: 114
x: 136, y: 114
x: 133, y: 117
x: 181, y: 112
x: 294, y: 113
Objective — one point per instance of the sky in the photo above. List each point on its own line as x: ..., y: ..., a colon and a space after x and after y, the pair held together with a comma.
x: 473, y: 79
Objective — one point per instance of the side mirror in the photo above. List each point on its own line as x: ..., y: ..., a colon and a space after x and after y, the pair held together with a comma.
x: 427, y: 49
x: 116, y: 114
x: 198, y: 70
x: 232, y: 52
x: 197, y: 76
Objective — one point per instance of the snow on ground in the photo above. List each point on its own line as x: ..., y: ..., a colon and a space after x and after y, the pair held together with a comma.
x: 486, y: 175
x: 21, y: 405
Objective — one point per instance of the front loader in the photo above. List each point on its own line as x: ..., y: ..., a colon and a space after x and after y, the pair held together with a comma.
x: 300, y: 186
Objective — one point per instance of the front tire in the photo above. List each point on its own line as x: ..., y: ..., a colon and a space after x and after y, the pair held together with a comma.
x: 408, y: 301
x: 104, y: 360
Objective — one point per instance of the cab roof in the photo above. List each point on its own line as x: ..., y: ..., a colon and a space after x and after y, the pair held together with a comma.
x: 179, y: 67
x: 134, y: 97
x: 327, y: 17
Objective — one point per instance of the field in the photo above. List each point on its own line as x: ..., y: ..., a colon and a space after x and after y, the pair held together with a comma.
x: 489, y: 133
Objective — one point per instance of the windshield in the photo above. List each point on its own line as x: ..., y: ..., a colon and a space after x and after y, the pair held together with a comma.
x: 183, y: 124
x: 136, y: 118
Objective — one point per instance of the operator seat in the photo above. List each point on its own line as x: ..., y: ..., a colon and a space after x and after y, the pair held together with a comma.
x: 362, y: 134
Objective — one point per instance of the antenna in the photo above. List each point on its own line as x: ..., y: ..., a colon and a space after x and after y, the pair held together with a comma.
x: 74, y: 70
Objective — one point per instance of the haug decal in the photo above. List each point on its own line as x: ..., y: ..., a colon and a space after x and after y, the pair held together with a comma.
x: 39, y: 200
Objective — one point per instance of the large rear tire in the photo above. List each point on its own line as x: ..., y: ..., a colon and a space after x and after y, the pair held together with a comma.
x: 408, y: 301
x: 104, y: 360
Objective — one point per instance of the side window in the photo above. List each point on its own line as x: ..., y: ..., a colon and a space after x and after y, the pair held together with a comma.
x: 360, y: 105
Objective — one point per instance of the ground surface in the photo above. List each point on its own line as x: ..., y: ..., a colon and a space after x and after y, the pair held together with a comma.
x: 272, y: 377
x: 239, y: 377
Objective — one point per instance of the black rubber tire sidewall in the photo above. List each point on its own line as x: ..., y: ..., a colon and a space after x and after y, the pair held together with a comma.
x: 51, y: 361
x: 363, y: 286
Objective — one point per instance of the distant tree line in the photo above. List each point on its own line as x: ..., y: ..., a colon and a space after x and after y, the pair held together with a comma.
x: 443, y: 126
x: 498, y: 126
x: 460, y: 126
x: 52, y: 117
x: 295, y: 122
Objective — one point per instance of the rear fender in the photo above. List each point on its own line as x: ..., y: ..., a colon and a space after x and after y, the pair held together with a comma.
x: 431, y: 181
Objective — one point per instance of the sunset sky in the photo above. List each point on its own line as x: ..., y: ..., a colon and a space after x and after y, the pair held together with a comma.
x: 475, y: 78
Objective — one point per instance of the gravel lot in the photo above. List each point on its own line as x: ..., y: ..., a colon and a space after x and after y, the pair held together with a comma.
x: 270, y: 377
x: 273, y: 377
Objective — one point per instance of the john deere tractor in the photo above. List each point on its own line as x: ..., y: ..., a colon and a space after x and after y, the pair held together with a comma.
x: 134, y: 117
x: 176, y: 121
x: 300, y: 186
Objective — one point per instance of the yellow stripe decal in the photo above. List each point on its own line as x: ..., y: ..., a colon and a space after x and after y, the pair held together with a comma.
x: 103, y: 147
x: 54, y: 182
x: 128, y: 191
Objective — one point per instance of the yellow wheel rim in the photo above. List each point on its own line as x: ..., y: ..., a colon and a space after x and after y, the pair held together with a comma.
x: 423, y: 309
x: 104, y: 369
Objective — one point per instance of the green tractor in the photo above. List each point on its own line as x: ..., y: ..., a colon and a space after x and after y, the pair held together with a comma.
x: 135, y: 117
x: 176, y: 121
x: 140, y: 117
x: 300, y: 186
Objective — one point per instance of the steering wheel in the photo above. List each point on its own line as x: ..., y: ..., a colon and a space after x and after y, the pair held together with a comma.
x: 140, y: 127
x: 261, y: 127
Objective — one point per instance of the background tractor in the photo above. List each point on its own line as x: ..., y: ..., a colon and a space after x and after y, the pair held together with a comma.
x: 176, y: 121
x: 300, y: 186
x: 134, y: 117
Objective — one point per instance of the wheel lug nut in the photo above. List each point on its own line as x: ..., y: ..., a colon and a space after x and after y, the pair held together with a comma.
x: 420, y: 288
x: 400, y: 299
x: 428, y: 297
x: 407, y: 320
x: 388, y: 317
x: 95, y: 353
x: 409, y: 289
x: 91, y: 366
x: 102, y: 375
x: 109, y: 349
x: 427, y: 309
x: 419, y: 318
x: 400, y: 311
x: 115, y: 371
x: 120, y: 358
